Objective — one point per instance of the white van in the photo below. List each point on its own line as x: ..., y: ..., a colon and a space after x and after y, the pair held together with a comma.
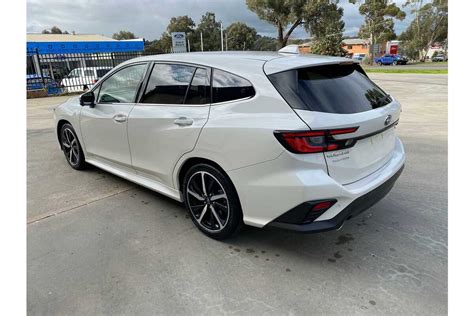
x: 81, y: 78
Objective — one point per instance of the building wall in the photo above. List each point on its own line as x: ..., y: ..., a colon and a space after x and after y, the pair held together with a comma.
x: 356, y: 49
x: 305, y: 49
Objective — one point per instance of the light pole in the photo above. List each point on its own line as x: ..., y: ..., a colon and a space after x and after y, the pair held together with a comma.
x: 202, y: 44
x: 222, y: 38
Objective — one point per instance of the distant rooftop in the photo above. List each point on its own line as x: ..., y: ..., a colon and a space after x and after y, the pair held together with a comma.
x: 38, y: 37
x: 355, y: 41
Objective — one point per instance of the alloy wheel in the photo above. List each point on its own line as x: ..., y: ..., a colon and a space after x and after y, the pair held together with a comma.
x: 207, y: 201
x: 70, y: 146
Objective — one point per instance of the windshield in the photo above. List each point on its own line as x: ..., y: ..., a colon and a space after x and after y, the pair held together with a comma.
x: 331, y: 88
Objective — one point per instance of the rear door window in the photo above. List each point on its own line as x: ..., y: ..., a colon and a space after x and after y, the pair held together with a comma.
x: 168, y: 84
x: 228, y: 87
x: 199, y: 91
x: 332, y: 89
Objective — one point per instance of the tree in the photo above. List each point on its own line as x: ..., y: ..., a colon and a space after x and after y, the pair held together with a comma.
x: 123, y: 35
x: 54, y: 30
x: 281, y: 13
x: 378, y: 21
x: 265, y: 43
x: 327, y: 29
x: 181, y: 24
x: 240, y: 36
x: 210, y: 30
x: 163, y: 45
x: 430, y: 25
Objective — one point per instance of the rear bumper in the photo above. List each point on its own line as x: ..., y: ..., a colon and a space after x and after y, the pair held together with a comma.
x: 269, y: 190
x: 356, y: 207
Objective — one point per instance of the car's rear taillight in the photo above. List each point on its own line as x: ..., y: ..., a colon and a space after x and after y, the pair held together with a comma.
x: 306, y: 142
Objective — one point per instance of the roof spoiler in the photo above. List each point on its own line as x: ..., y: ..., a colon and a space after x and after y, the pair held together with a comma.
x: 290, y: 50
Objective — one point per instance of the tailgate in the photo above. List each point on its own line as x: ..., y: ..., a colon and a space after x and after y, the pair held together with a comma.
x: 340, y: 101
x: 374, y: 140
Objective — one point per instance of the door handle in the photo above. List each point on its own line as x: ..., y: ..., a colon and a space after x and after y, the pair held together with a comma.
x: 120, y: 118
x: 183, y: 121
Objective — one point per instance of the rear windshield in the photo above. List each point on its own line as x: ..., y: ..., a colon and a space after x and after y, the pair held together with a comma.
x: 332, y: 89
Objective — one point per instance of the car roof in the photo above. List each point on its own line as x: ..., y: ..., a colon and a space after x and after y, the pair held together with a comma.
x: 245, y: 63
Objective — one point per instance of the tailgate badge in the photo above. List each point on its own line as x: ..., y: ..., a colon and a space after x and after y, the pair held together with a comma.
x: 388, y: 119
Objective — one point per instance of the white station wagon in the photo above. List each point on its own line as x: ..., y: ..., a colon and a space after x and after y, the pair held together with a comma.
x: 300, y: 142
x: 80, y: 78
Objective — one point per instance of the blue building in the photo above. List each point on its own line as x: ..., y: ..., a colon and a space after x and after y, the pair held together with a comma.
x: 80, y: 44
x: 54, y: 56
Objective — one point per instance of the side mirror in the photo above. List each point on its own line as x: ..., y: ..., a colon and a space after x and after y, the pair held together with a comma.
x: 88, y: 98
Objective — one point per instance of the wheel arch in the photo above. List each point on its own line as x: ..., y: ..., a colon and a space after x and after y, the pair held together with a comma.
x: 192, y: 161
x: 60, y: 124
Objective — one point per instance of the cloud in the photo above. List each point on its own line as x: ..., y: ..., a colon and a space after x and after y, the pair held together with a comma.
x: 148, y: 18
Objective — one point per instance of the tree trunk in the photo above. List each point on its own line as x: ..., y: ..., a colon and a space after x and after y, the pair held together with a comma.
x: 371, y: 49
x: 280, y: 35
x: 288, y: 33
x: 420, y: 55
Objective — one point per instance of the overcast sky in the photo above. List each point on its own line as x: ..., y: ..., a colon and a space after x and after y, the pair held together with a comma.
x: 149, y: 18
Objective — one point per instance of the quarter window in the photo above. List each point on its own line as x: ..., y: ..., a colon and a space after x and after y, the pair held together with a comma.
x: 199, y: 91
x: 122, y: 86
x: 168, y: 84
x: 227, y: 87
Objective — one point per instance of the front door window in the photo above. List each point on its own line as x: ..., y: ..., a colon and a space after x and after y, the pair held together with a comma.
x: 122, y: 86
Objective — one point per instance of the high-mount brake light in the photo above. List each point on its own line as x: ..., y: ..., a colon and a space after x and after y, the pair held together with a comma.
x: 305, y: 142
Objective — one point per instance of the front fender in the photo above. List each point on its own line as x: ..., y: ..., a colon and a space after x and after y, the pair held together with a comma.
x: 69, y: 111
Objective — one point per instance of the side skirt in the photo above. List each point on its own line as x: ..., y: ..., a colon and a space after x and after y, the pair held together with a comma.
x: 133, y: 177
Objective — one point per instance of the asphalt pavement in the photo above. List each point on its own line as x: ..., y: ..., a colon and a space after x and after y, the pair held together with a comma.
x: 98, y: 244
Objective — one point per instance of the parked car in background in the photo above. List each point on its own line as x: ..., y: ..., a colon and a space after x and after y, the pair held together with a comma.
x: 81, y: 79
x: 38, y: 82
x: 439, y: 57
x: 258, y: 138
x: 358, y: 56
x: 391, y: 59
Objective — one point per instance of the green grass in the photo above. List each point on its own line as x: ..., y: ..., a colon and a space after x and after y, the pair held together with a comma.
x: 407, y: 71
x: 428, y: 64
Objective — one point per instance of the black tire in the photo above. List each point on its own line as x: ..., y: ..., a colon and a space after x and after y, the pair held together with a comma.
x: 71, y: 147
x: 379, y: 63
x: 220, y: 218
